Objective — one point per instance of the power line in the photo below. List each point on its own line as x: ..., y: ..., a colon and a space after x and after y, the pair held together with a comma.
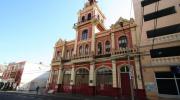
x: 155, y: 22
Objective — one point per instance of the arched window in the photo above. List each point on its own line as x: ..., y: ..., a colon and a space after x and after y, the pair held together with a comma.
x: 104, y: 76
x: 89, y: 16
x: 99, y: 48
x: 82, y: 77
x: 66, y: 77
x: 58, y: 54
x: 123, y: 42
x: 86, y: 49
x: 72, y: 52
x: 83, y: 19
x: 68, y: 54
x: 85, y: 34
x: 124, y: 69
x: 80, y: 50
x: 82, y: 71
x: 108, y: 46
x: 98, y: 17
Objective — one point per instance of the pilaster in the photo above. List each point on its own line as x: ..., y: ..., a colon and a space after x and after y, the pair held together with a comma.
x: 93, y: 38
x: 112, y: 41
x: 114, y: 73
x: 75, y: 46
x: 72, y: 75
x: 60, y: 75
x: 91, y: 74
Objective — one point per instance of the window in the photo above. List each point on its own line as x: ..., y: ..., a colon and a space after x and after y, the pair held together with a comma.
x: 160, y: 13
x: 147, y: 2
x: 164, y: 31
x: 86, y: 49
x: 72, y: 52
x: 80, y: 50
x: 83, y: 19
x: 123, y: 42
x: 124, y: 69
x: 165, y: 52
x: 104, y: 76
x: 66, y: 77
x: 167, y: 82
x: 82, y: 71
x: 98, y: 17
x: 58, y: 55
x: 85, y: 34
x: 108, y: 47
x: 99, y: 48
x: 89, y: 16
x: 68, y: 54
x: 82, y: 77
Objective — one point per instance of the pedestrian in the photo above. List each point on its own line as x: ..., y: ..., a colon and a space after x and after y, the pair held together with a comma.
x: 37, y: 89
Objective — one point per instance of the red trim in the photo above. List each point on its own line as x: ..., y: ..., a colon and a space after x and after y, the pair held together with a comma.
x: 67, y: 88
x: 106, y: 90
x: 84, y: 89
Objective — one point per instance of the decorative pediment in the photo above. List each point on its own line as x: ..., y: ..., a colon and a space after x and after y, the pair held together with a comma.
x: 59, y: 42
x: 122, y: 22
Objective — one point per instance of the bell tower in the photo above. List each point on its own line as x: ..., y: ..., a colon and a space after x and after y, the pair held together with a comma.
x: 90, y: 21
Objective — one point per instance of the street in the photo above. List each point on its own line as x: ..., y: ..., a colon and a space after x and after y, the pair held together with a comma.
x: 24, y: 96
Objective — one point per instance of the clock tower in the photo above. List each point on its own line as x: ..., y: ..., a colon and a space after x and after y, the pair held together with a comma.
x: 90, y: 21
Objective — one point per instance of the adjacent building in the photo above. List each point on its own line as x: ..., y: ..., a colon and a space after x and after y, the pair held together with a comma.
x: 158, y: 22
x: 12, y: 75
x: 99, y: 61
x: 33, y: 76
x: 25, y: 76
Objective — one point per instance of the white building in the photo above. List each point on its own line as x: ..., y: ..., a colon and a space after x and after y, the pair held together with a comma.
x: 34, y: 75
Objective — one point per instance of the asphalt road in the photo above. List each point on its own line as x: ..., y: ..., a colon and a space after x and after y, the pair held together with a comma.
x: 14, y: 96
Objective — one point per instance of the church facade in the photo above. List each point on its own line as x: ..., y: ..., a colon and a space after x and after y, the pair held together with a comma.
x: 99, y: 61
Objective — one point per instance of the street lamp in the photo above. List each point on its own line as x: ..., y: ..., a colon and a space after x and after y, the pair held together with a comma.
x: 131, y: 69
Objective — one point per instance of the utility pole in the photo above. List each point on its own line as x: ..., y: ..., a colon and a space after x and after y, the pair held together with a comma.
x: 130, y: 74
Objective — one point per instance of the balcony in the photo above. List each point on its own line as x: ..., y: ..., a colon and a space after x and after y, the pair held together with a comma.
x: 83, y: 58
x: 124, y: 51
x: 94, y: 19
x: 56, y: 61
x: 106, y: 54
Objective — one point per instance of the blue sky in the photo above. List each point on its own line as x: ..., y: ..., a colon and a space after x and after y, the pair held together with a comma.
x: 30, y: 28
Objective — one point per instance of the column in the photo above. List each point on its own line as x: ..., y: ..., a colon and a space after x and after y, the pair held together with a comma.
x: 60, y: 74
x: 63, y: 49
x: 75, y: 46
x: 112, y: 41
x: 72, y: 75
x: 114, y: 74
x: 91, y: 74
x: 50, y: 77
x: 93, y: 39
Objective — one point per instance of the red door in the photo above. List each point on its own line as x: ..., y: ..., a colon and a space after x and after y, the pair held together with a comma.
x: 125, y: 84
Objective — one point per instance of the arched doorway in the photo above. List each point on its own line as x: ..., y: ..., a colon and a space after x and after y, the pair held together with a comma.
x: 66, y: 81
x: 81, y: 81
x: 125, y: 81
x: 103, y: 81
x: 54, y: 79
